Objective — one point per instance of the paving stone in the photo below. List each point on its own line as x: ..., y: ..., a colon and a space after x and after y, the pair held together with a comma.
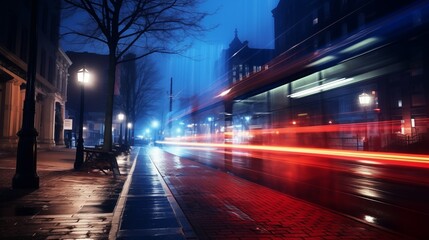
x: 221, y: 206
x: 53, y: 210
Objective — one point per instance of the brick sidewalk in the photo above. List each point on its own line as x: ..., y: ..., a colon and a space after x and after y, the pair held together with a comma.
x: 68, y: 204
x: 222, y: 206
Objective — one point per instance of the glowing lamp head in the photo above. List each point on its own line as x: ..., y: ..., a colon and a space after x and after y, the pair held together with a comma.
x: 155, y: 124
x: 121, y: 117
x: 365, y: 99
x: 83, y: 76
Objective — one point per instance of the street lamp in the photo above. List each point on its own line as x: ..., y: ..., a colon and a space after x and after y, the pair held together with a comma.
x: 365, y: 101
x: 83, y: 78
x: 26, y: 156
x: 210, y: 119
x: 129, y: 126
x: 155, y: 125
x: 121, y: 117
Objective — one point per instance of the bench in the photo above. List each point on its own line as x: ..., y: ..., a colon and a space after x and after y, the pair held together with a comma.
x: 98, y: 159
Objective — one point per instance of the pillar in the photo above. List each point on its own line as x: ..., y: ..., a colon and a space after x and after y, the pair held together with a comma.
x: 47, y: 122
x: 11, y: 115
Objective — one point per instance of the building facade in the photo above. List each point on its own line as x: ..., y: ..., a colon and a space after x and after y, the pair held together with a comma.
x: 311, y: 93
x: 51, y: 77
x: 317, y: 23
x: 242, y: 60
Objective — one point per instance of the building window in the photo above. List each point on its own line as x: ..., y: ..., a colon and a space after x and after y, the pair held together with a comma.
x: 315, y: 17
x: 315, y: 21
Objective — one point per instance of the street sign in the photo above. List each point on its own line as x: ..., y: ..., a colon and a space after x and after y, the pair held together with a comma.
x: 68, y: 124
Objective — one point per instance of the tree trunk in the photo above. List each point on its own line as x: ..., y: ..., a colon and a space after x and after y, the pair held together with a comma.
x: 107, y: 146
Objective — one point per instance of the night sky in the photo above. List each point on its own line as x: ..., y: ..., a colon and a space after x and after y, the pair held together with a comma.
x: 254, y: 23
x: 194, y: 73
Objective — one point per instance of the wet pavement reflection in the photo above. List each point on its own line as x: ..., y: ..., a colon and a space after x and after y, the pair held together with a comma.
x: 389, y: 196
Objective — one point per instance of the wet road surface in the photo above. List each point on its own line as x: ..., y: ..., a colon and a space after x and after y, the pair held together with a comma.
x: 390, y: 196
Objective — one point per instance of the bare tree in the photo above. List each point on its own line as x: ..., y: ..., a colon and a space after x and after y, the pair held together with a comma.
x: 146, y: 26
x: 139, y: 89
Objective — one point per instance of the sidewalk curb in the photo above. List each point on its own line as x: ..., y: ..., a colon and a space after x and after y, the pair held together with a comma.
x: 119, y: 208
x: 187, y: 229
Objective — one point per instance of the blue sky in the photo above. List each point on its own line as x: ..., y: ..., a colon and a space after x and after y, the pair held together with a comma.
x: 252, y: 18
x: 254, y: 23
x: 195, y: 74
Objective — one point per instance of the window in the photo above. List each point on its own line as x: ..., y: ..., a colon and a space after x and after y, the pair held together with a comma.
x: 315, y: 17
x: 246, y: 70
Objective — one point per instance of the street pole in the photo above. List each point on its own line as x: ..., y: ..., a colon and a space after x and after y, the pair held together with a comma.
x: 26, y: 158
x: 170, y: 120
x: 365, y: 100
x: 126, y: 135
x: 121, y: 118
x: 171, y: 94
x: 79, y: 149
x: 120, y: 134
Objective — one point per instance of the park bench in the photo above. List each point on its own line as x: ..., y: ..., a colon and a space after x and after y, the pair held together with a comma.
x: 102, y: 160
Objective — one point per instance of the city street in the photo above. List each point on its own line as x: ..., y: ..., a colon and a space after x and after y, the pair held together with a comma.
x: 387, y: 195
x: 200, y: 202
x: 217, y: 119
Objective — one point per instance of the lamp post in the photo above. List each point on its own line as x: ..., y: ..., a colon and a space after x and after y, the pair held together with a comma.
x: 129, y: 126
x: 210, y: 119
x: 155, y: 125
x: 26, y: 156
x: 121, y: 117
x: 83, y: 78
x: 365, y: 101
